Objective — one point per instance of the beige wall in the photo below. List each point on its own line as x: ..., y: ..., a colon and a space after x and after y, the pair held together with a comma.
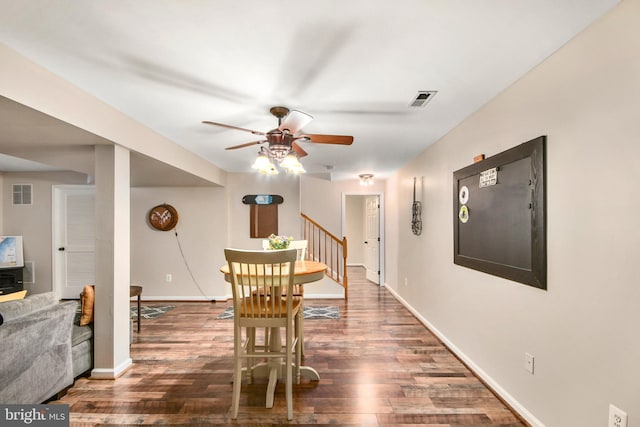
x: 289, y: 222
x: 33, y: 222
x: 322, y: 199
x: 210, y: 219
x: 2, y: 193
x: 354, y: 216
x: 241, y: 184
x: 583, y: 331
x: 202, y: 235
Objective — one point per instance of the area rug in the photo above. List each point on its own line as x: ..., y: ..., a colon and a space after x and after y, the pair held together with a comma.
x: 310, y: 312
x: 151, y: 311
x: 146, y: 311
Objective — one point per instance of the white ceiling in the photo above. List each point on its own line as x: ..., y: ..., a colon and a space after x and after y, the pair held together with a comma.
x: 354, y: 65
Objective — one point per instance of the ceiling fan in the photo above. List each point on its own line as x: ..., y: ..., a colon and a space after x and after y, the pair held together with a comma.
x: 282, y: 142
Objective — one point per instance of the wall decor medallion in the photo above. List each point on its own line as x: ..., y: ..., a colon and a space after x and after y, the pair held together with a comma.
x: 163, y: 217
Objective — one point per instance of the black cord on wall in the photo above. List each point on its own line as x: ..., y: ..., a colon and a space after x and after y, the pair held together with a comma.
x: 189, y: 269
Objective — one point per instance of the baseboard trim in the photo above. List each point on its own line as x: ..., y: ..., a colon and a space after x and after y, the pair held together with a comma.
x: 111, y: 374
x: 169, y: 298
x: 496, y: 388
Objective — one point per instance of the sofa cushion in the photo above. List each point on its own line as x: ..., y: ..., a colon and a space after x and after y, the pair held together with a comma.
x: 14, y: 309
x: 82, y: 356
x: 80, y: 334
x: 13, y: 296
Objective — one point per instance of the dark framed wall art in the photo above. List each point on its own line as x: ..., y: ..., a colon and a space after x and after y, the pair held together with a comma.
x: 499, y: 215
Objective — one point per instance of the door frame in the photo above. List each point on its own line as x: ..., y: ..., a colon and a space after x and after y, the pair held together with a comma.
x: 381, y: 251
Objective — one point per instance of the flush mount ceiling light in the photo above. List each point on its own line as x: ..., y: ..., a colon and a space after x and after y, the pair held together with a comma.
x: 366, y: 179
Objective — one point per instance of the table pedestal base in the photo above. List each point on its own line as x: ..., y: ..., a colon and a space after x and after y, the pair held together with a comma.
x: 275, y: 372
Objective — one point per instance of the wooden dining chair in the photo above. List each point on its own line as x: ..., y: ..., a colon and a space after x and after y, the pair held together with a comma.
x: 262, y: 285
x: 298, y: 290
x: 301, y: 247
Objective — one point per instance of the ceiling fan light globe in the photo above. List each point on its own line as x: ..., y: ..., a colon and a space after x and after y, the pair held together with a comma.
x: 271, y: 170
x: 296, y: 169
x: 262, y: 162
x: 290, y: 160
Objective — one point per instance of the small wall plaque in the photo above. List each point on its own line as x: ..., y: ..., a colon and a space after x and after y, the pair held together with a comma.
x: 488, y: 177
x: 262, y: 199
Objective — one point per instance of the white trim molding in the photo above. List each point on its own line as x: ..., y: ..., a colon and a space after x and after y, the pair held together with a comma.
x: 111, y: 374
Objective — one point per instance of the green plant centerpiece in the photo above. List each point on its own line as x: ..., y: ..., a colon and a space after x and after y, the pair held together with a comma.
x: 279, y: 242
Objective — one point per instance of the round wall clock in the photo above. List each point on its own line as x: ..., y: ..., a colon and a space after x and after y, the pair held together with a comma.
x: 163, y: 217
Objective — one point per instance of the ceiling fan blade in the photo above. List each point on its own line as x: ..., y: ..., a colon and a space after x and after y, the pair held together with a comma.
x: 246, y: 144
x: 255, y: 132
x: 329, y: 139
x: 299, y: 151
x: 294, y: 121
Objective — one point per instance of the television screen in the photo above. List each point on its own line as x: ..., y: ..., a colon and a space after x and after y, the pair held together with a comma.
x: 11, y: 252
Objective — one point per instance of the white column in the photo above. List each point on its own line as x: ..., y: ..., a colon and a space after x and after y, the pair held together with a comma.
x: 112, y: 273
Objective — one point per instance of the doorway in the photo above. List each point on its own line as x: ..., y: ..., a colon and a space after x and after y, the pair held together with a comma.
x: 73, y: 239
x: 362, y: 224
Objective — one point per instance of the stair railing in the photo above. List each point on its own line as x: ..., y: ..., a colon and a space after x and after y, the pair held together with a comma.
x: 325, y: 247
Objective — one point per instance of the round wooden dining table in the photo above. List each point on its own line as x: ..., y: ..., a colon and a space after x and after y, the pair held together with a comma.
x: 306, y: 271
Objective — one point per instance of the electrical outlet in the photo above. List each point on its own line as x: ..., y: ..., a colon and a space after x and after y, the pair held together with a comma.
x: 406, y: 281
x: 169, y: 278
x: 617, y: 417
x: 528, y: 363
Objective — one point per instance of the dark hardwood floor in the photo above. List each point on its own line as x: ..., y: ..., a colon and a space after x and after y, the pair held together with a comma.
x: 379, y: 366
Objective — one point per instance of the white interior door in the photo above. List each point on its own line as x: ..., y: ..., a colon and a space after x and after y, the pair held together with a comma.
x: 73, y: 239
x: 372, y: 238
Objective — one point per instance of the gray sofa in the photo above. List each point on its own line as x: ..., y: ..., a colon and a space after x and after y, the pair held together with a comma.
x: 43, y: 349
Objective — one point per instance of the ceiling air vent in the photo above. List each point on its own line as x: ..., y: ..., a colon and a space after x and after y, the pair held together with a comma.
x: 422, y: 98
x: 22, y: 194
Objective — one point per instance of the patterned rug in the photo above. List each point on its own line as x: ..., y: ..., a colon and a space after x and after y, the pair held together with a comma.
x: 151, y: 311
x: 146, y: 311
x: 310, y: 312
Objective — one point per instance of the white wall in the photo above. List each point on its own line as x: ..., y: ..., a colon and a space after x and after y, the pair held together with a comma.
x: 583, y: 331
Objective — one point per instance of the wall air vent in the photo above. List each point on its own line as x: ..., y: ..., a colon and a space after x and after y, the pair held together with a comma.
x: 422, y: 98
x: 22, y: 194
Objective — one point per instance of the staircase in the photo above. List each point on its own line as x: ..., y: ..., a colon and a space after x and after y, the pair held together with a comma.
x: 328, y: 249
